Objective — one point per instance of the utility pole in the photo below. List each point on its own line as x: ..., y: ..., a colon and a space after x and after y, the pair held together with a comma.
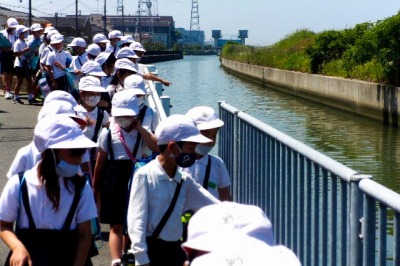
x: 30, y: 13
x: 105, y: 18
x: 120, y: 10
x: 76, y: 18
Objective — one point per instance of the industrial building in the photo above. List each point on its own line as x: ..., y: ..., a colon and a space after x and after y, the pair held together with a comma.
x: 190, y: 37
x: 220, y: 40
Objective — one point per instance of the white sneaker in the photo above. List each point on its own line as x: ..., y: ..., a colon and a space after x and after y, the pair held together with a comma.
x: 8, y: 95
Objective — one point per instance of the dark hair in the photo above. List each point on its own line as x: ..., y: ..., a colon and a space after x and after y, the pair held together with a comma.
x: 118, y: 73
x: 163, y: 147
x: 48, y: 176
x: 111, y: 59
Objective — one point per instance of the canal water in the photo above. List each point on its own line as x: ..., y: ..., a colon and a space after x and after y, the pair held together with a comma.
x: 360, y: 143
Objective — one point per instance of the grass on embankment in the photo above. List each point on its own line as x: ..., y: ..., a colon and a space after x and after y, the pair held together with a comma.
x: 369, y: 52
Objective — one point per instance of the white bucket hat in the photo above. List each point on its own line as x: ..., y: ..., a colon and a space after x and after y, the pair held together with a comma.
x: 12, y: 23
x: 137, y: 46
x: 102, y: 57
x: 48, y: 28
x: 77, y: 42
x: 89, y: 83
x: 178, y: 128
x: 127, y: 39
x: 51, y: 33
x: 125, y: 63
x: 100, y: 38
x: 20, y: 29
x: 126, y: 52
x: 205, y: 117
x: 60, y: 107
x: 59, y: 95
x: 56, y: 132
x: 219, y: 221
x: 36, y: 27
x: 93, y: 68
x: 56, y: 38
x: 93, y: 49
x: 124, y: 103
x: 135, y: 83
x: 115, y: 34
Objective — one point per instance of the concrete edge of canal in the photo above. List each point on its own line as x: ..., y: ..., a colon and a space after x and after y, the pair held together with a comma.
x: 377, y: 101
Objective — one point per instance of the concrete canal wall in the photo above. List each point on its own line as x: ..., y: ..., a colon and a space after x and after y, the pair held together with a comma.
x: 372, y: 100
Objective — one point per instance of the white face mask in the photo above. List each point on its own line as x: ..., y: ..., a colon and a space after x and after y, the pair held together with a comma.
x: 26, y: 35
x: 124, y: 122
x: 203, y: 150
x: 91, y: 100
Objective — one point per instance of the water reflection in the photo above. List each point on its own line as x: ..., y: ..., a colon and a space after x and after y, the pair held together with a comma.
x: 364, y: 145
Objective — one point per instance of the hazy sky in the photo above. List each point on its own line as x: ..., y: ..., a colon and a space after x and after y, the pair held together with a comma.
x: 267, y: 21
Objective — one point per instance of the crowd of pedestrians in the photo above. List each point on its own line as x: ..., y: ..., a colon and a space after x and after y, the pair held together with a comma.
x: 101, y: 154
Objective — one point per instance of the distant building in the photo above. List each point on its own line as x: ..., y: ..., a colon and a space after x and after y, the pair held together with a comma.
x: 219, y: 41
x: 191, y: 37
x: 21, y: 17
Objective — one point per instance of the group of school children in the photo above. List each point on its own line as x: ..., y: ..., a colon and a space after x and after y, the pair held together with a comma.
x: 82, y: 165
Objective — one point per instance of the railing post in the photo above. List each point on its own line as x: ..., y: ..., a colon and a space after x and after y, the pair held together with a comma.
x: 166, y: 103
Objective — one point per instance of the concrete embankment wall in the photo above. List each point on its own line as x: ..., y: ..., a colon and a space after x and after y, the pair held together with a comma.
x: 372, y: 100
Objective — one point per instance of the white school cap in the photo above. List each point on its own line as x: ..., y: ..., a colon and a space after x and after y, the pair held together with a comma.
x: 177, y: 128
x: 124, y: 103
x: 100, y: 38
x: 126, y: 52
x: 36, y: 27
x: 125, y: 63
x: 248, y: 253
x: 205, y: 117
x: 51, y: 33
x: 137, y: 46
x: 93, y: 49
x: 114, y: 34
x: 56, y: 38
x: 20, y: 29
x: 212, y: 224
x: 135, y: 83
x: 57, y: 132
x: 102, y: 57
x: 79, y: 42
x: 12, y: 23
x: 60, y: 107
x: 59, y: 95
x: 93, y: 68
x: 48, y: 28
x: 90, y: 83
x: 127, y: 39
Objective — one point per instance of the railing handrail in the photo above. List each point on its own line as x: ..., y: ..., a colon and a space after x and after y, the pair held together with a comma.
x: 155, y: 98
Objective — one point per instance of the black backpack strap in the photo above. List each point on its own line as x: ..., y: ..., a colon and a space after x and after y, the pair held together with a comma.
x: 207, y: 175
x: 25, y: 200
x: 141, y: 115
x: 99, y: 121
x: 109, y: 144
x: 168, y: 213
x: 79, y: 182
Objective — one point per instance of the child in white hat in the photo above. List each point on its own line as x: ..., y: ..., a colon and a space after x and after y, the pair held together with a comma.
x: 118, y: 148
x: 154, y: 187
x: 56, y: 63
x: 209, y: 170
x: 57, y: 203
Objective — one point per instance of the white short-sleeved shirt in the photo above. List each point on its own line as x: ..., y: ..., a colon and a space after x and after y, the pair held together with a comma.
x: 105, y: 81
x: 44, y: 53
x: 43, y: 213
x: 11, y: 38
x: 19, y: 46
x: 150, y: 120
x: 151, y: 194
x: 78, y: 61
x: 60, y: 57
x: 27, y: 157
x: 91, y: 117
x: 118, y: 148
x: 110, y: 48
x: 219, y: 176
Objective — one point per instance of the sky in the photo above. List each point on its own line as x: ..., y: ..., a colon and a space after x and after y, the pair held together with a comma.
x: 267, y: 21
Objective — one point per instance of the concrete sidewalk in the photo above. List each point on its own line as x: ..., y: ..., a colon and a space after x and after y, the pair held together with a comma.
x: 17, y: 123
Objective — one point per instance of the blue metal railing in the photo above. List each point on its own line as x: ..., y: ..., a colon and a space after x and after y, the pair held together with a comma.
x: 322, y: 210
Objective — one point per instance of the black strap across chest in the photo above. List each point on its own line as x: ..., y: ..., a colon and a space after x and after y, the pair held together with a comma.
x: 207, y: 175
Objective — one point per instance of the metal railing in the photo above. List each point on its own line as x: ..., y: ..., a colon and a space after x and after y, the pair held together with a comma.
x: 322, y: 210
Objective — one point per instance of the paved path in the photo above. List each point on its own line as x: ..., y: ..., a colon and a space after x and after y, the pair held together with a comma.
x: 16, y: 130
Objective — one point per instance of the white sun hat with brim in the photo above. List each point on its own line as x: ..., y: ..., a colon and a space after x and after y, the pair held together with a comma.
x: 59, y: 95
x: 89, y: 83
x: 12, y: 23
x: 51, y: 33
x: 219, y: 221
x: 20, y: 29
x: 77, y: 42
x: 57, y: 132
x: 125, y: 63
x: 135, y: 83
x: 48, y: 28
x: 205, y: 117
x: 60, y: 107
x: 127, y: 39
x: 244, y: 251
x: 124, y: 103
x: 56, y: 38
x: 177, y: 128
x: 126, y: 52
x: 92, y: 68
x: 137, y: 46
x: 36, y: 27
x: 115, y: 34
x: 100, y: 38
x: 93, y: 49
x: 102, y: 57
